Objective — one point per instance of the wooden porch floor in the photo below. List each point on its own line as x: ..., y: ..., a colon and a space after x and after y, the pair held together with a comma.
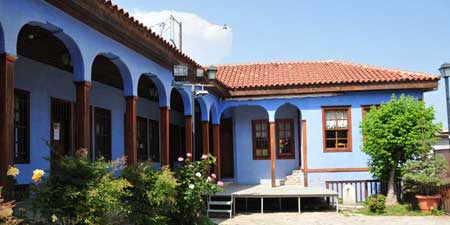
x: 262, y: 190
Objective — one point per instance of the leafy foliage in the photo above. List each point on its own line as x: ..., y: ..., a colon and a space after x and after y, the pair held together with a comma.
x: 397, y: 131
x: 6, y: 212
x: 81, y: 192
x: 425, y: 175
x: 377, y: 203
x: 195, y: 186
x: 153, y: 194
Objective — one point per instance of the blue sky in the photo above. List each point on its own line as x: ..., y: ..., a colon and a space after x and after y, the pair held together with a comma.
x: 412, y: 35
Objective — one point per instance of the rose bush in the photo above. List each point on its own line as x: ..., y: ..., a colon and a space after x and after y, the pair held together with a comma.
x: 195, y: 184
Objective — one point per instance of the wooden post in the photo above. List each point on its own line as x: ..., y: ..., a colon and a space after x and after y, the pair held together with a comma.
x: 216, y: 147
x: 205, y: 137
x: 305, y: 154
x: 188, y: 133
x: 131, y: 129
x: 164, y: 135
x: 6, y: 115
x: 82, y: 114
x: 272, y: 150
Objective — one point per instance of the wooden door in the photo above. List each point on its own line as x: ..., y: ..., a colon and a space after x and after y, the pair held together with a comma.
x: 226, y: 148
x: 60, y: 130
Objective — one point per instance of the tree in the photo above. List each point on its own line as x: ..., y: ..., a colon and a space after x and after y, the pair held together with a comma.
x: 395, y: 132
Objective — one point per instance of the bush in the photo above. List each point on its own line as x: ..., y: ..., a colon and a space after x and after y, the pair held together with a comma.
x: 425, y: 175
x: 80, y: 192
x: 195, y: 186
x: 152, y: 198
x: 6, y: 212
x: 377, y: 203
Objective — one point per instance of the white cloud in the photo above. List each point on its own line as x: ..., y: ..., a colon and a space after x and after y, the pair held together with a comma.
x: 205, y: 42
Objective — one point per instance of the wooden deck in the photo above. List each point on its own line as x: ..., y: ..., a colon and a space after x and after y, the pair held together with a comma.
x: 262, y: 191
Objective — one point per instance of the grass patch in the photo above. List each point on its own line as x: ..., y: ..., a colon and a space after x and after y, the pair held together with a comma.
x: 399, y: 210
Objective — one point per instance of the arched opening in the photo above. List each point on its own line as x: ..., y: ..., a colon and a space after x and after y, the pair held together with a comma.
x: 147, y: 121
x: 287, y: 134
x: 44, y: 94
x: 177, y: 142
x: 107, y: 107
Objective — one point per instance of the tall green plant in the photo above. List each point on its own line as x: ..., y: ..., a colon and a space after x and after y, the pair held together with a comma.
x: 397, y: 131
x: 153, y: 194
x: 80, y: 192
x: 196, y: 184
x: 425, y: 175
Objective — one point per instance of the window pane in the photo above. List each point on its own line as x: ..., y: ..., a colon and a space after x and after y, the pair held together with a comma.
x: 330, y: 115
x: 342, y: 133
x: 342, y: 143
x: 341, y: 114
x: 261, y: 139
x: 21, y: 127
x: 331, y: 144
x: 330, y: 134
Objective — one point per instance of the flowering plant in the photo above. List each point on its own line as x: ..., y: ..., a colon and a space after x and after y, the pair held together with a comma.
x: 196, y: 183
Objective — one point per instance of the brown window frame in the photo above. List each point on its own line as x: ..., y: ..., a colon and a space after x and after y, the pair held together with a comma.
x: 349, y: 128
x: 26, y: 139
x: 364, y: 109
x: 255, y: 157
x: 291, y: 154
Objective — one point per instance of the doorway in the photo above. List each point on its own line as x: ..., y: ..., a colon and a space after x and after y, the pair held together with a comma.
x: 226, y: 148
x: 60, y: 130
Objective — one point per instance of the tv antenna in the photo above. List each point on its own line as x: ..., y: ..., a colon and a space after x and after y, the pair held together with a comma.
x: 169, y: 26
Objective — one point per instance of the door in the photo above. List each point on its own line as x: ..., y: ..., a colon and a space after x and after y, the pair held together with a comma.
x: 142, y: 139
x: 226, y: 148
x: 61, y: 130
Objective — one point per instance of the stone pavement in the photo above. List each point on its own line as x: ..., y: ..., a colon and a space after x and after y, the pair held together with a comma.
x: 330, y: 218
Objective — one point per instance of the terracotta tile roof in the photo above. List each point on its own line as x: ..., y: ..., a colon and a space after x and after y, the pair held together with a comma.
x: 279, y: 74
x: 138, y: 24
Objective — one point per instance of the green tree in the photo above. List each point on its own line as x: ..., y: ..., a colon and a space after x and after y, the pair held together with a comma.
x: 395, y: 132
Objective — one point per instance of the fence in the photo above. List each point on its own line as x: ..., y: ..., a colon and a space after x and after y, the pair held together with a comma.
x: 445, y: 192
x: 363, y: 188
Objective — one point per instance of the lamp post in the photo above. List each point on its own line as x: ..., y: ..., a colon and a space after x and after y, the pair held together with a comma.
x: 445, y: 73
x: 181, y: 73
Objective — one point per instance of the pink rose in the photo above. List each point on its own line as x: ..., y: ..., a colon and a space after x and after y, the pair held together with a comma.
x: 209, y: 179
x: 180, y: 159
x: 204, y: 156
x: 220, y: 183
x: 213, y: 175
x: 189, y: 155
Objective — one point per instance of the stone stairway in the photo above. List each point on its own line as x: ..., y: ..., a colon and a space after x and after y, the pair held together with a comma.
x: 296, y: 178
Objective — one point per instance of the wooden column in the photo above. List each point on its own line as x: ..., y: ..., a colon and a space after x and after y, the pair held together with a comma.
x: 131, y: 129
x: 6, y: 115
x: 305, y: 153
x: 188, y: 133
x: 164, y: 135
x: 205, y: 137
x: 82, y: 114
x: 216, y: 147
x: 272, y: 151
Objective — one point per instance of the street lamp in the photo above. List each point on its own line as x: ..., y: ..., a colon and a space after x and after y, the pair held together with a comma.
x: 445, y: 73
x: 212, y: 72
x: 180, y: 74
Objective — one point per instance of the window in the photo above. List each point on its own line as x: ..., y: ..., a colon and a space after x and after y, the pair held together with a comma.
x: 285, y: 139
x: 142, y: 139
x: 337, y: 129
x: 366, y: 109
x: 21, y: 127
x: 154, y: 140
x: 260, y: 139
x: 102, y: 133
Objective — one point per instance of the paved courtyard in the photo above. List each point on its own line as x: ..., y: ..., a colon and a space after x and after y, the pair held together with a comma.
x: 330, y: 218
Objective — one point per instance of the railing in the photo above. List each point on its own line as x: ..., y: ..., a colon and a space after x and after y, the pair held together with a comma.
x: 363, y: 188
x: 445, y: 192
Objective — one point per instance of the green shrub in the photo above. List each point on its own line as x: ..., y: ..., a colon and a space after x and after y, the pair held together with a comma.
x: 377, y: 203
x: 153, y: 194
x: 195, y: 185
x: 80, y: 192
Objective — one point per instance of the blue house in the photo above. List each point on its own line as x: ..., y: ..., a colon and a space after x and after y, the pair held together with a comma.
x: 85, y: 74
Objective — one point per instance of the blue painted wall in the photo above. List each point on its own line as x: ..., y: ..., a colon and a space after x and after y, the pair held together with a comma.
x: 248, y: 170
